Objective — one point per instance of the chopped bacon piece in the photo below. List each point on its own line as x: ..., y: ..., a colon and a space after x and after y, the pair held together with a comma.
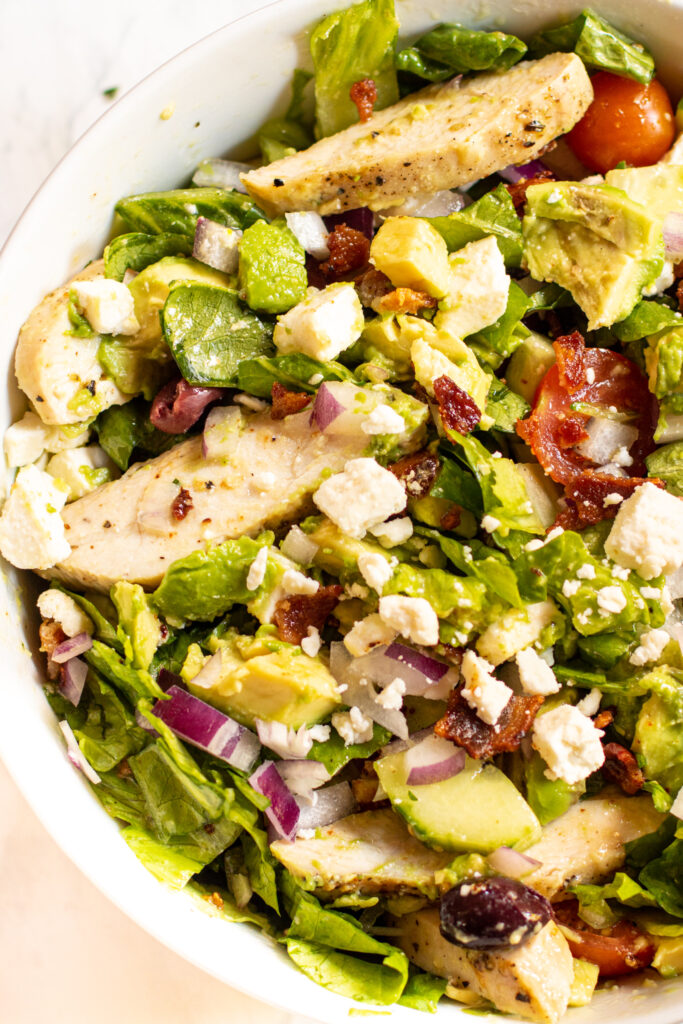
x: 622, y: 768
x: 678, y: 270
x: 570, y: 351
x: 371, y: 286
x: 349, y: 250
x: 605, y: 718
x: 295, y: 613
x: 621, y: 949
x: 51, y: 636
x: 679, y: 295
x: 589, y: 495
x: 287, y: 402
x: 462, y: 725
x: 518, y: 189
x: 404, y: 300
x: 364, y: 95
x: 181, y: 504
x: 458, y: 410
x: 417, y: 472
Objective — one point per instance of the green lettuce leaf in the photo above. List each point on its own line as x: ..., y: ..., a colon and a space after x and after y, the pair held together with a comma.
x: 454, y: 483
x: 137, y: 250
x: 452, y: 49
x: 124, y: 428
x: 659, y: 729
x: 110, y: 731
x: 505, y: 407
x: 423, y: 992
x: 135, y: 683
x: 165, y: 862
x: 481, y: 562
x: 667, y: 464
x: 294, y: 371
x: 282, y: 136
x: 492, y: 214
x: 460, y: 600
x: 648, y: 317
x: 177, y: 211
x: 599, y: 45
x: 663, y: 878
x: 139, y: 630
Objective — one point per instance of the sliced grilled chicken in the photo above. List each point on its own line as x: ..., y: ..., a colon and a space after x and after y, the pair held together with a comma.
x: 53, y: 366
x: 443, y: 136
x: 367, y: 853
x: 126, y: 530
x: 531, y: 981
x: 586, y: 844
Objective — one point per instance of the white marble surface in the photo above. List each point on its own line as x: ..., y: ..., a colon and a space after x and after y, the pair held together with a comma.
x: 65, y: 952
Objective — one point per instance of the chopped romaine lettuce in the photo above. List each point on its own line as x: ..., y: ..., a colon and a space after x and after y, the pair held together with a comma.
x: 493, y: 214
x: 667, y: 464
x: 294, y: 371
x: 452, y: 49
x: 123, y: 428
x: 599, y: 45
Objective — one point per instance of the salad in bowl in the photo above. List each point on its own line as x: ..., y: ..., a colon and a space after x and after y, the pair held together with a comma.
x: 352, y: 477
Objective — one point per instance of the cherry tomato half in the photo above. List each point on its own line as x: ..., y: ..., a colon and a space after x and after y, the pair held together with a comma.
x: 626, y: 121
x: 621, y: 949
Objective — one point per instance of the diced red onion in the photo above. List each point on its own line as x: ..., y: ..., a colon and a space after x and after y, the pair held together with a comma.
x: 302, y: 777
x: 179, y: 405
x: 433, y: 760
x: 218, y: 438
x: 326, y: 408
x: 299, y: 547
x: 673, y: 236
x: 72, y: 680
x: 75, y: 754
x: 331, y: 804
x: 72, y: 647
x: 422, y: 663
x: 283, y: 812
x: 206, y: 727
x: 361, y: 219
x: 423, y: 675
x: 166, y: 679
x: 398, y: 746
x: 129, y: 275
x: 361, y: 693
x: 511, y: 862
x: 605, y: 438
x: 216, y: 245
x: 309, y: 229
x: 337, y: 411
x: 522, y: 172
x: 217, y: 173
x: 144, y: 723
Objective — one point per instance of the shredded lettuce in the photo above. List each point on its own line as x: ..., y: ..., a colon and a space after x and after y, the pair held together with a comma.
x: 452, y: 49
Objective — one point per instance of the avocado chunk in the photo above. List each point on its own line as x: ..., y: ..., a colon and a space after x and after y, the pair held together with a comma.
x: 139, y: 627
x: 436, y: 354
x: 659, y: 188
x: 595, y: 242
x: 529, y: 364
x: 338, y: 553
x: 151, y: 286
x: 668, y: 959
x: 412, y: 254
x: 272, y: 268
x: 477, y: 810
x: 383, y: 336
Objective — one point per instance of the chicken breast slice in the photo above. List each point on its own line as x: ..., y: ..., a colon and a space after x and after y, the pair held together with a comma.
x: 368, y: 852
x: 587, y: 844
x: 443, y: 136
x: 125, y: 530
x: 531, y: 981
x: 52, y: 365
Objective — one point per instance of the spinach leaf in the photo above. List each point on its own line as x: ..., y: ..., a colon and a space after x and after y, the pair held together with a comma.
x: 493, y: 214
x: 176, y: 211
x: 123, y: 428
x: 599, y: 45
x: 137, y: 250
x: 209, y: 332
x: 454, y: 483
x: 334, y: 754
x: 294, y: 371
x: 452, y: 49
x: 423, y: 992
x: 168, y: 864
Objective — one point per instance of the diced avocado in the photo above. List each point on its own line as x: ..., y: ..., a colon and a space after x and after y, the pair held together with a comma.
x: 548, y: 798
x: 658, y: 188
x: 262, y: 605
x: 284, y: 685
x: 437, y: 354
x: 272, y: 268
x: 594, y: 241
x: 583, y: 983
x: 383, y: 335
x: 517, y: 629
x: 529, y: 364
x: 667, y: 464
x: 337, y: 553
x: 544, y: 494
x: 668, y: 959
x: 412, y: 254
x: 151, y: 286
x: 664, y: 362
x: 477, y: 810
x: 139, y: 628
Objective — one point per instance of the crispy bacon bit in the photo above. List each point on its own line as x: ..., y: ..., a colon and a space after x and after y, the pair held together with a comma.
x: 51, y: 636
x: 287, y: 402
x: 458, y: 410
x: 591, y: 496
x: 124, y: 770
x: 450, y: 520
x: 349, y: 250
x: 364, y: 95
x: 404, y: 300
x: 417, y: 472
x: 216, y: 899
x: 621, y: 949
x: 605, y: 718
x: 518, y: 189
x: 622, y: 768
x: 462, y: 725
x: 295, y: 613
x: 570, y: 430
x: 679, y: 294
x: 571, y: 361
x: 181, y: 504
x: 371, y: 285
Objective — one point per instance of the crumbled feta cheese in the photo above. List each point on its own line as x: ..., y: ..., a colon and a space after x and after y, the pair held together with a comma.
x: 316, y: 379
x: 310, y: 644
x: 309, y: 229
x: 383, y: 420
x: 590, y: 704
x: 319, y: 733
x: 664, y: 281
x: 323, y: 324
x: 651, y: 593
x: 647, y: 534
x: 620, y: 573
x: 571, y: 587
x: 360, y: 497
x: 257, y: 570
x: 77, y: 469
x: 376, y: 570
x: 412, y: 617
x: 356, y: 590
x: 477, y: 290
x: 264, y: 482
x: 391, y: 697
x: 55, y: 604
x: 611, y: 599
x: 31, y: 529
x: 107, y: 304
x: 287, y: 742
x: 583, y: 617
x: 306, y: 833
x: 396, y: 531
x: 25, y: 440
x: 553, y: 534
x: 251, y: 402
x: 612, y: 499
x: 621, y: 457
x: 585, y: 572
x: 353, y: 726
x: 484, y: 693
x: 368, y: 633
x: 569, y: 743
x: 490, y: 523
x: 677, y: 806
x: 295, y: 582
x: 534, y: 544
x: 650, y: 648
x: 535, y: 674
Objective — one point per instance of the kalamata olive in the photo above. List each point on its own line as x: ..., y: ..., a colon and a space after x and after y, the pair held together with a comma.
x: 492, y: 913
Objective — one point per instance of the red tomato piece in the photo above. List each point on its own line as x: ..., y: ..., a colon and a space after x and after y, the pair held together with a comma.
x: 621, y: 949
x: 626, y: 121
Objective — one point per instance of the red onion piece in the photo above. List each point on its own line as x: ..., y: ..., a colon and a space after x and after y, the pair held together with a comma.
x: 302, y: 777
x: 178, y: 405
x: 405, y: 662
x: 361, y: 693
x: 361, y: 219
x: 299, y: 547
x: 331, y: 804
x: 326, y: 408
x: 283, y: 813
x: 144, y: 723
x: 71, y: 648
x: 218, y: 438
x: 433, y: 760
x: 521, y: 172
x: 72, y: 680
x: 166, y: 679
x: 129, y: 275
x: 673, y: 236
x: 422, y: 663
x: 196, y: 722
x: 511, y: 862
x: 75, y: 755
x: 216, y: 245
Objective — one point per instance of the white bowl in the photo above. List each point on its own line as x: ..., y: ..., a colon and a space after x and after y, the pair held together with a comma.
x: 223, y: 88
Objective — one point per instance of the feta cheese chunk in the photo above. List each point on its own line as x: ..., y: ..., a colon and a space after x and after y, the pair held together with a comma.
x: 395, y: 532
x: 25, y: 440
x: 107, y: 305
x: 484, y: 693
x: 257, y: 570
x: 477, y: 290
x: 535, y: 674
x: 295, y: 582
x: 353, y: 726
x: 647, y: 533
x: 383, y: 420
x: 590, y: 704
x: 611, y: 599
x: 376, y: 570
x: 362, y: 496
x: 677, y: 806
x: 55, y: 604
x: 650, y: 648
x: 31, y: 529
x: 412, y: 617
x: 569, y: 744
x: 490, y: 524
x: 309, y: 229
x: 368, y: 633
x: 323, y: 324
x: 82, y: 470
x: 391, y: 697
x: 310, y: 644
